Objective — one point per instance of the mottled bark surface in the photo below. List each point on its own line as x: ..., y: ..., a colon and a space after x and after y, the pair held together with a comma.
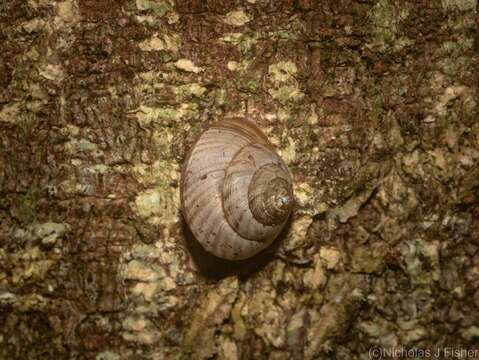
x: 373, y: 105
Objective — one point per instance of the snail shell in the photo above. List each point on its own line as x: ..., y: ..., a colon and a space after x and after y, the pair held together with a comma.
x: 236, y: 192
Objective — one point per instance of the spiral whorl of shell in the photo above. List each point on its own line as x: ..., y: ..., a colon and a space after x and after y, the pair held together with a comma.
x: 236, y: 192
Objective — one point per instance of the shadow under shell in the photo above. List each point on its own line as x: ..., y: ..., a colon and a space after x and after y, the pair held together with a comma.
x: 213, y: 267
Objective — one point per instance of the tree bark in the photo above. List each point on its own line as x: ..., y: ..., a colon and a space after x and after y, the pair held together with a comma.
x: 372, y: 104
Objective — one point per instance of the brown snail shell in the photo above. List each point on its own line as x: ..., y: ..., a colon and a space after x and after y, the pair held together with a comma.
x: 236, y: 192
